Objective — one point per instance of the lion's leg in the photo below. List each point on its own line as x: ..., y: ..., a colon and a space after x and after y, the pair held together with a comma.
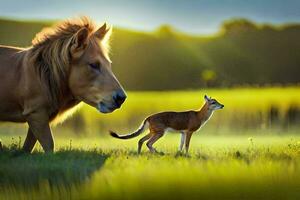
x: 39, y: 125
x: 29, y: 141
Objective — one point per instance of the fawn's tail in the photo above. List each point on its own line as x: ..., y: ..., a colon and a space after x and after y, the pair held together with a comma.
x: 141, y: 129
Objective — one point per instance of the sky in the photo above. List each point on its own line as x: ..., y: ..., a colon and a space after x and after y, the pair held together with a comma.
x: 190, y: 16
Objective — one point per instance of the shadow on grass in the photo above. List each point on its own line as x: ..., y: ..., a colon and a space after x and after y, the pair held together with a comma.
x: 64, y: 167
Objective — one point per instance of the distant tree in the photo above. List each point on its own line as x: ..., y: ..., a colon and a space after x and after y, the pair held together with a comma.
x: 165, y: 31
x: 236, y: 26
x: 208, y: 77
x: 268, y: 27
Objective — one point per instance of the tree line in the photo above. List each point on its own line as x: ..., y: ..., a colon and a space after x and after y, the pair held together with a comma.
x: 241, y: 53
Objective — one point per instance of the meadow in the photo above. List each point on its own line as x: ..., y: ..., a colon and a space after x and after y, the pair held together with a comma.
x: 231, y: 167
x: 248, y: 150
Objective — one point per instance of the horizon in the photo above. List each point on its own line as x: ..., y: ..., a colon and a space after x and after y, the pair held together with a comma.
x: 175, y: 29
x: 193, y: 17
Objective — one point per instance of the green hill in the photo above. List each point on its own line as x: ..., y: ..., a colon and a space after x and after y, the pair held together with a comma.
x: 241, y: 53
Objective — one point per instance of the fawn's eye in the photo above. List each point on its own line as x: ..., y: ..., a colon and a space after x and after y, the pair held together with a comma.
x: 95, y: 66
x: 213, y: 103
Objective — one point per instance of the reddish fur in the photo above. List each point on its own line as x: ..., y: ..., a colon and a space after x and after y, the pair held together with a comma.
x: 189, y: 120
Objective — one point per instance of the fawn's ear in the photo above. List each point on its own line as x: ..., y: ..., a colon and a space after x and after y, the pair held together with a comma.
x: 79, y: 42
x: 206, y: 98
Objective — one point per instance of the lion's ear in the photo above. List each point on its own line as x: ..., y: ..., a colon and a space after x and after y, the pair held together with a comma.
x: 103, y: 32
x: 79, y: 42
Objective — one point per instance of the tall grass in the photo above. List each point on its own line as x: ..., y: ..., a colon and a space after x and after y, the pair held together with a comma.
x: 217, y: 168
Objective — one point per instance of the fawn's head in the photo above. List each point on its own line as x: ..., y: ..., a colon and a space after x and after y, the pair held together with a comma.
x: 213, y: 104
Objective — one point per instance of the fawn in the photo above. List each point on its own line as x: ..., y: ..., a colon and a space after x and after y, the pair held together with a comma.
x: 184, y: 122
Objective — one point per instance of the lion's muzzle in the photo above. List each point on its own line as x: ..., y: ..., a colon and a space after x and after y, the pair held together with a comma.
x: 116, y: 100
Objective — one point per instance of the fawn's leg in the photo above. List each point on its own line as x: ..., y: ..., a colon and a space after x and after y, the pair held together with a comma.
x: 142, y: 140
x: 29, y: 141
x: 152, y: 140
x: 188, y: 136
x: 182, y: 140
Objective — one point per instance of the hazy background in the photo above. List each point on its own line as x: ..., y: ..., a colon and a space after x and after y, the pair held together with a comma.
x: 244, y: 53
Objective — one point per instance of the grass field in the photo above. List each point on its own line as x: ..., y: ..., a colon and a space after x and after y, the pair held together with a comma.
x: 249, y: 150
x: 263, y: 167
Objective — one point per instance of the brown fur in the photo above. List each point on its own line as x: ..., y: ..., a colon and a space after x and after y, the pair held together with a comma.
x: 185, y: 122
x: 43, y: 81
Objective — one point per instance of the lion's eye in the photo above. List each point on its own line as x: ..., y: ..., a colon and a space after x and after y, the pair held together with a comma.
x: 95, y: 66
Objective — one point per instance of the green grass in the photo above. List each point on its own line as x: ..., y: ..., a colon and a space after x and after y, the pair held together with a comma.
x: 264, y: 167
